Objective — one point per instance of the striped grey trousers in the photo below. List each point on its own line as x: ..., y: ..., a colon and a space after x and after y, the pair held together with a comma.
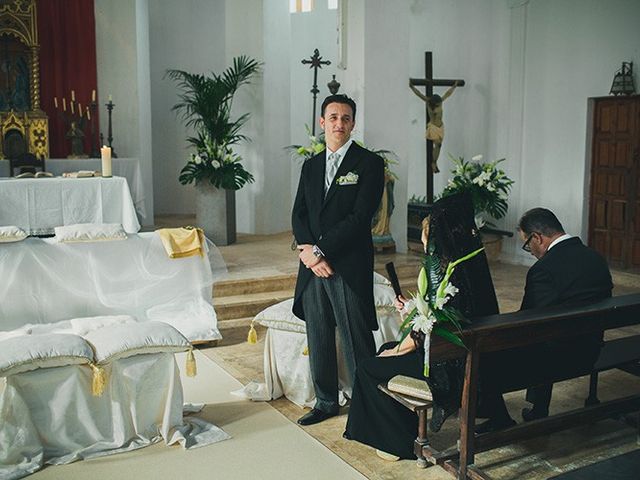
x: 329, y: 303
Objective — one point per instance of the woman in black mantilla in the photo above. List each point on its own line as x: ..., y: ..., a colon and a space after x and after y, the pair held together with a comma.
x: 376, y: 419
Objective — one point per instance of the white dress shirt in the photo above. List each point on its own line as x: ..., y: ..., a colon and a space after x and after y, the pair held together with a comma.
x: 562, y: 238
x: 333, y: 161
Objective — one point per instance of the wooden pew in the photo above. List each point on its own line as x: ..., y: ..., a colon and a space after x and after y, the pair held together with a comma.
x: 502, y: 332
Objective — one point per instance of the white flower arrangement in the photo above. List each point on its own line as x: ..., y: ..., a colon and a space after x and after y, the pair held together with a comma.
x: 488, y: 185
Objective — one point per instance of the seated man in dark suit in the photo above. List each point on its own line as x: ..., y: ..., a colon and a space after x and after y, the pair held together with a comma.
x: 566, y: 272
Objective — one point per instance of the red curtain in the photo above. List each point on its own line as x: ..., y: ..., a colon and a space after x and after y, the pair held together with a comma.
x: 67, y: 37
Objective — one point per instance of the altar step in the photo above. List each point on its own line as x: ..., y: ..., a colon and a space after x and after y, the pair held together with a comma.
x: 237, y: 301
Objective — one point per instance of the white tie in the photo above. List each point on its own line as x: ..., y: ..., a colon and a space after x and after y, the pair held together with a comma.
x: 332, y: 168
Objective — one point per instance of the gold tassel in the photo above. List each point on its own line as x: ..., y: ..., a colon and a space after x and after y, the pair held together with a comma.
x: 192, y: 370
x: 306, y: 351
x: 99, y: 380
x: 252, y: 336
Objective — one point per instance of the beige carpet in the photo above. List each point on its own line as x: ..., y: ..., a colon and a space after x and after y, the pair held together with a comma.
x: 264, y: 444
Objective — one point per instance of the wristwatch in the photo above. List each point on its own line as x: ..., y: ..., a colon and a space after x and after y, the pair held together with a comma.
x: 317, y: 252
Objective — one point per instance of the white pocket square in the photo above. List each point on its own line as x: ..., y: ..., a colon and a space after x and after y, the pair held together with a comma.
x: 350, y: 178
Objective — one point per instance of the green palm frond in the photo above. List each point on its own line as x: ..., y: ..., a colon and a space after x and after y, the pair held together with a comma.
x: 205, y: 104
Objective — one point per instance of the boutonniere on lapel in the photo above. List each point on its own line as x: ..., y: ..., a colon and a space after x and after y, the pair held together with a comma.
x: 350, y: 178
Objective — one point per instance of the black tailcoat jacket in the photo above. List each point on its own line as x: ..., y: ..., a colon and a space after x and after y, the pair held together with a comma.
x: 340, y: 223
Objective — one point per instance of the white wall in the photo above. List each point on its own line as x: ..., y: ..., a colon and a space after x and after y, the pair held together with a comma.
x: 122, y: 52
x: 186, y: 36
x: 529, y: 66
x: 244, y: 36
x: 570, y: 51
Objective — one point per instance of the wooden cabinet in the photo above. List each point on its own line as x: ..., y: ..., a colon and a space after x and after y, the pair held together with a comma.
x: 614, y: 196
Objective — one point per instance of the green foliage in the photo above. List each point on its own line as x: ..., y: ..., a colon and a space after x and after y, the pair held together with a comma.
x: 488, y: 185
x: 317, y: 144
x: 205, y: 105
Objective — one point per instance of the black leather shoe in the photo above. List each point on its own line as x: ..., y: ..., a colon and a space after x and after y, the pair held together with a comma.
x: 494, y: 424
x: 438, y: 416
x: 529, y: 414
x: 315, y: 416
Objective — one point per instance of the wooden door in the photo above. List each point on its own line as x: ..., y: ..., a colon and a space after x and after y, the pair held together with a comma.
x: 614, y: 203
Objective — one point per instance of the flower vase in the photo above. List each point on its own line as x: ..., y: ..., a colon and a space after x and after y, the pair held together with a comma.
x: 216, y: 213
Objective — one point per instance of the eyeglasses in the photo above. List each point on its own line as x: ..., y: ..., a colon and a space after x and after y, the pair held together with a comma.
x: 526, y: 247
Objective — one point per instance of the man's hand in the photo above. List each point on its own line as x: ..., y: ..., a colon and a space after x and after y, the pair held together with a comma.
x: 322, y: 269
x: 306, y: 255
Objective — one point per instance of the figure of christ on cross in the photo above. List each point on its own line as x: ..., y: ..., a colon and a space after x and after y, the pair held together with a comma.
x: 435, y: 126
x: 433, y: 105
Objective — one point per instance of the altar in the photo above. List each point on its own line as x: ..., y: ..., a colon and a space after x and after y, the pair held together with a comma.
x: 38, y: 205
x: 128, y: 168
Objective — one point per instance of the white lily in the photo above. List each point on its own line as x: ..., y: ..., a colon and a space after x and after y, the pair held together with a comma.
x: 423, y: 324
x: 477, y: 158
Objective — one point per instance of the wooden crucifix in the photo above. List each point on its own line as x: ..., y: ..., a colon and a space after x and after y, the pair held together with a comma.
x: 433, y: 108
x: 315, y: 62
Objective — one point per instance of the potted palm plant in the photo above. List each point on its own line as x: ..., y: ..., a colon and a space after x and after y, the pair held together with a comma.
x: 205, y: 105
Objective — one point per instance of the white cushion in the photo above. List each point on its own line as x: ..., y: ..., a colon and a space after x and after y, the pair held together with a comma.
x: 29, y: 352
x: 383, y: 295
x: 127, y: 339
x: 12, y: 234
x: 379, y: 279
x: 83, y: 325
x: 90, y: 232
x: 280, y: 317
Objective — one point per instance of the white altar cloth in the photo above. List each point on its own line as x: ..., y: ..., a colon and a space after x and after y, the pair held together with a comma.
x: 44, y: 281
x: 38, y: 205
x: 128, y: 168
x: 49, y: 416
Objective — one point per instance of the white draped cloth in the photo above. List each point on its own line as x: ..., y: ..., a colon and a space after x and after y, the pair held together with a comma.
x: 285, y: 357
x: 38, y: 205
x: 49, y: 416
x: 44, y: 282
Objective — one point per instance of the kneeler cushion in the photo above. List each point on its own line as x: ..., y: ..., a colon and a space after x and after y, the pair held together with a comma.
x: 29, y: 352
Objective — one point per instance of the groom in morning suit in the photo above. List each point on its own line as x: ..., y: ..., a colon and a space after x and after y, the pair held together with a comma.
x: 339, y: 191
x: 567, y: 272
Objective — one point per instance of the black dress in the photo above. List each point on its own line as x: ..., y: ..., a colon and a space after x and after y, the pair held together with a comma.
x: 376, y: 419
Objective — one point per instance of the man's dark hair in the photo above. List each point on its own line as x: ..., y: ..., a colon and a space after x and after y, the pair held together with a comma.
x: 339, y: 98
x: 540, y: 220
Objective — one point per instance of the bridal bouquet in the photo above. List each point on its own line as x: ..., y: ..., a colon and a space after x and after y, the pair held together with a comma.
x: 429, y: 311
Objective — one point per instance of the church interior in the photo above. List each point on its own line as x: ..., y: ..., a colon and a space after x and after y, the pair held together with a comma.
x: 107, y: 133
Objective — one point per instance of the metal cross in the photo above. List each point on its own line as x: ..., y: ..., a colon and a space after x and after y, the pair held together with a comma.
x: 315, y: 62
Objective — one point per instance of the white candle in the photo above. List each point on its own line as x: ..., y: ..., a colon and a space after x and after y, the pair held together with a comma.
x: 110, y: 98
x: 88, y: 114
x: 105, y: 153
x: 80, y: 109
x: 73, y: 95
x: 55, y: 101
x: 71, y: 103
x: 64, y: 104
x: 93, y: 95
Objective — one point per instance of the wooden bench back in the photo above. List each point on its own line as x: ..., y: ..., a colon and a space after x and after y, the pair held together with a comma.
x: 510, y: 330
